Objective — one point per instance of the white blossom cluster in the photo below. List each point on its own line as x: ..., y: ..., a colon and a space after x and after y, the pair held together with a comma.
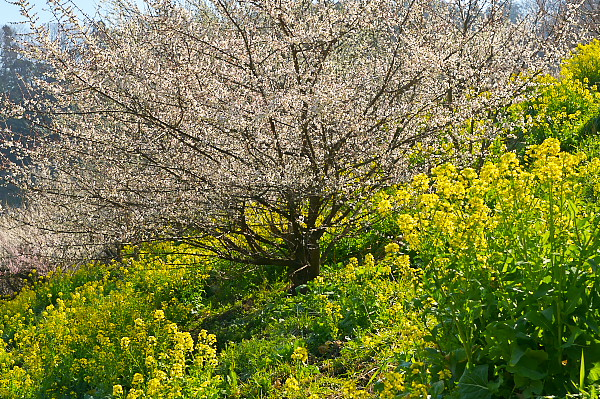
x: 183, y: 121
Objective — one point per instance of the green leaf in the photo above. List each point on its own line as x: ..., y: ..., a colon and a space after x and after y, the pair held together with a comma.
x: 529, y: 386
x: 582, y: 373
x: 378, y: 386
x: 575, y: 333
x: 531, y: 364
x: 541, y: 319
x: 548, y: 313
x: 573, y: 298
x: 593, y: 262
x: 594, y: 374
x: 473, y: 384
x: 516, y: 354
x: 436, y: 389
x: 534, y: 389
x: 544, y: 290
x: 592, y: 325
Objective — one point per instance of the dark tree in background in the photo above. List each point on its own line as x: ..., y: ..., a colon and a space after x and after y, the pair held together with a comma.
x: 17, y: 75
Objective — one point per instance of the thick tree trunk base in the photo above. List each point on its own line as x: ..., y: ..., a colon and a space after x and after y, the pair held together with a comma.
x: 311, y: 268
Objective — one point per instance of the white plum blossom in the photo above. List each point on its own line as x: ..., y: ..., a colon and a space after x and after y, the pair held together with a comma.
x: 254, y: 127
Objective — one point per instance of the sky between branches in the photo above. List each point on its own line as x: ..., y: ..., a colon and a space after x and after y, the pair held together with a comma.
x: 9, y: 13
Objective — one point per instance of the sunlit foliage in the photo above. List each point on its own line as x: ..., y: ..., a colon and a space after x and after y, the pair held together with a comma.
x: 509, y: 256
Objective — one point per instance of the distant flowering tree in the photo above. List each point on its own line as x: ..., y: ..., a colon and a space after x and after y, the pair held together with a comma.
x: 255, y: 128
x: 19, y: 261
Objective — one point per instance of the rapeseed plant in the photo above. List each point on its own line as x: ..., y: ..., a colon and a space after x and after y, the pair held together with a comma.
x: 512, y: 241
x: 108, y: 335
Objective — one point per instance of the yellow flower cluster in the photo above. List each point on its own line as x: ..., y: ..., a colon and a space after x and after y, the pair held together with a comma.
x: 559, y: 108
x: 392, y: 248
x: 101, y: 330
x: 456, y: 204
x: 164, y: 375
x: 393, y: 384
x: 167, y: 354
x: 300, y: 354
x: 351, y: 391
x: 291, y: 387
x: 445, y: 374
x: 552, y: 165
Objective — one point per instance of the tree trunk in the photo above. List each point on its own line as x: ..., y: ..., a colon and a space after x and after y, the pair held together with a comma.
x: 307, y: 251
x: 308, y: 261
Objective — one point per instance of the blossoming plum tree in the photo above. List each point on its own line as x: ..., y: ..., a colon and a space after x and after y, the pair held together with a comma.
x: 254, y: 128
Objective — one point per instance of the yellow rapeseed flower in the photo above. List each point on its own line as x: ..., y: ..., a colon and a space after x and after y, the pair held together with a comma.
x: 445, y: 374
x: 138, y: 379
x: 154, y: 387
x: 159, y: 315
x: 117, y: 390
x: 291, y: 385
x: 300, y: 354
x: 420, y: 182
x: 392, y: 248
x: 125, y: 342
x: 384, y: 206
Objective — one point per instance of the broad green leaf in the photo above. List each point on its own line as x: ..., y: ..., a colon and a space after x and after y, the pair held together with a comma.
x: 531, y: 364
x: 573, y: 298
x: 541, y: 319
x: 436, y: 389
x: 594, y: 374
x: 474, y: 383
x: 516, y: 354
